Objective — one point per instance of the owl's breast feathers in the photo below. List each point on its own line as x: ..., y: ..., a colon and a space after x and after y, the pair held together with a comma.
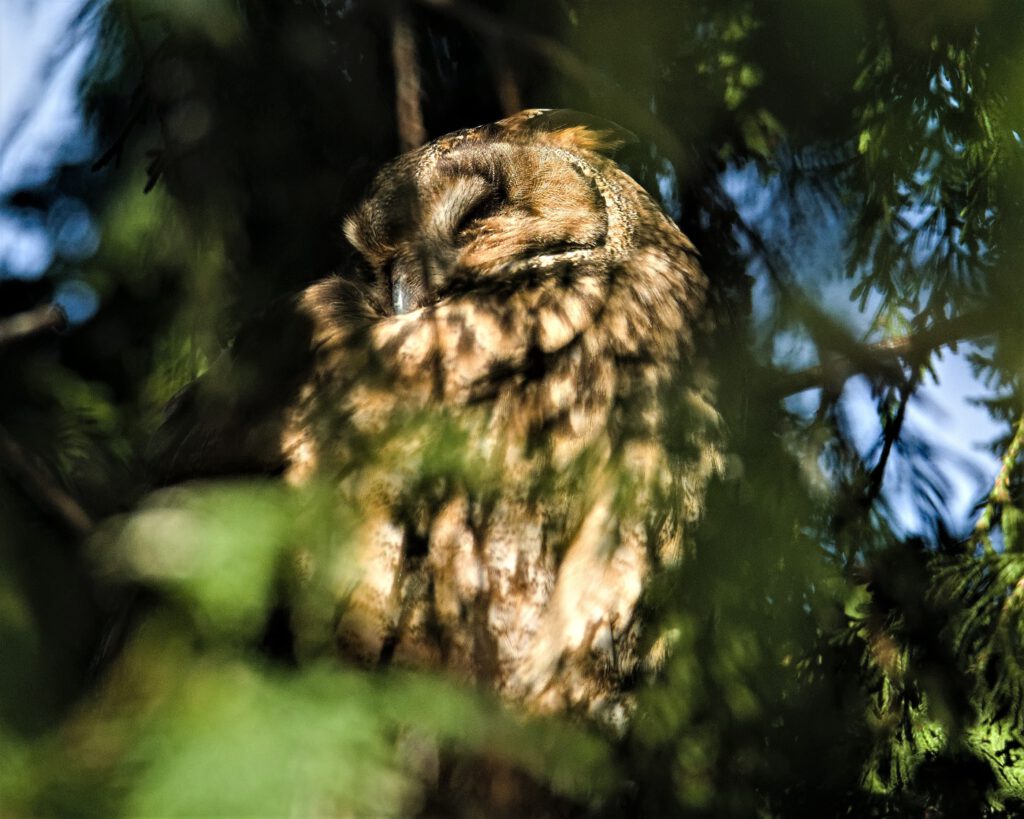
x: 491, y: 386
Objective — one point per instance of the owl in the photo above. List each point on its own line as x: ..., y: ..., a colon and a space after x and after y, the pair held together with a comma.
x: 503, y: 383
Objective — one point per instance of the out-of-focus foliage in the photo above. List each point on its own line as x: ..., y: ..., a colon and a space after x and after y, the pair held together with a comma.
x: 818, y: 660
x: 190, y: 719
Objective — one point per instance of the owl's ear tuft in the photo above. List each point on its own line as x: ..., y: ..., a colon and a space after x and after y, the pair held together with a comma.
x: 573, y: 130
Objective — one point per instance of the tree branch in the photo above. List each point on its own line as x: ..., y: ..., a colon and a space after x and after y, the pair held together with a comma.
x: 885, y: 355
x: 408, y: 113
x: 892, y: 428
x: 41, y: 486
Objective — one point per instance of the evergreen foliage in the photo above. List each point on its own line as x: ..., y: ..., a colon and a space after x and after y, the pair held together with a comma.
x: 821, y: 659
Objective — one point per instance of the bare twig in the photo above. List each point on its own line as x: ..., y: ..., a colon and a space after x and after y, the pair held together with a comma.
x: 408, y: 113
x: 48, y: 317
x: 41, y: 486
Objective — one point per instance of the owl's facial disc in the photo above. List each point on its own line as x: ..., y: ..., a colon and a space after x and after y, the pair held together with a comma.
x: 474, y: 215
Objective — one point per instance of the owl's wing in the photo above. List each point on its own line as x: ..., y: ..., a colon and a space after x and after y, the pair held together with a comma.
x: 229, y: 420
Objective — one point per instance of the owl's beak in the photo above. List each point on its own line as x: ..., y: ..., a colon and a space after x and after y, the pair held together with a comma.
x: 401, y: 298
x: 409, y: 290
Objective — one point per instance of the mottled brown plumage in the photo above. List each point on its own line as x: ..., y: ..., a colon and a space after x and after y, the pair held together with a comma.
x: 490, y: 383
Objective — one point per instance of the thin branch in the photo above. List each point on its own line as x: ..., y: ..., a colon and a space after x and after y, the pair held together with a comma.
x: 884, y: 356
x: 47, y: 318
x: 408, y: 112
x: 41, y: 486
x: 892, y: 428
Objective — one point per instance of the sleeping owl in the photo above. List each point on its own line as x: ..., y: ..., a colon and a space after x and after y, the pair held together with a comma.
x: 503, y: 383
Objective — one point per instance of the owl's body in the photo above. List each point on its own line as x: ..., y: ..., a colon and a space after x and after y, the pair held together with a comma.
x: 491, y: 386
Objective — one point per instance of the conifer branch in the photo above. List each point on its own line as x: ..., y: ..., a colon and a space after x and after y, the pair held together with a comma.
x: 884, y: 356
x: 1000, y: 494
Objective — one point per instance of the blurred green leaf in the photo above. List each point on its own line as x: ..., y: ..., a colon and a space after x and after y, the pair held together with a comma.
x: 217, y: 548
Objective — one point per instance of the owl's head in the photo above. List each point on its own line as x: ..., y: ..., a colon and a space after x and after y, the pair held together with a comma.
x: 488, y: 206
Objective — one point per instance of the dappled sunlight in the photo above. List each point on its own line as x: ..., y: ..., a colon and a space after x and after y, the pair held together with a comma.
x: 797, y: 585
